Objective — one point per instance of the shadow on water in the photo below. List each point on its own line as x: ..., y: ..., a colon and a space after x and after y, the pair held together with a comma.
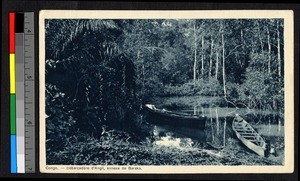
x: 218, y: 128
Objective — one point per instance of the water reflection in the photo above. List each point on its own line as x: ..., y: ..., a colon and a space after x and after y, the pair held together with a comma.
x: 270, y: 130
x: 165, y: 137
x: 218, y: 128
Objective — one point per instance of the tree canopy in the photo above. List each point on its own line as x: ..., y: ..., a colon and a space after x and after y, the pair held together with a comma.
x: 104, y: 70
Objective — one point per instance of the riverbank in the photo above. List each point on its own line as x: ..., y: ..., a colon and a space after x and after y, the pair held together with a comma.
x: 115, y: 148
x: 206, y: 104
x: 219, y: 132
x: 177, y: 102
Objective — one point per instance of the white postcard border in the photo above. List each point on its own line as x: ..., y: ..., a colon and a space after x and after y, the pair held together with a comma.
x: 287, y: 15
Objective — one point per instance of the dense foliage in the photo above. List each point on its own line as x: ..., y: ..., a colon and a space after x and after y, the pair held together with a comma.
x: 239, y: 59
x: 100, y: 72
x: 87, y: 66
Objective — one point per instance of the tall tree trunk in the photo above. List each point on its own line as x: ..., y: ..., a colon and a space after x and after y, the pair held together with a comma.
x: 124, y: 77
x: 275, y: 110
x: 212, y: 128
x: 223, y: 68
x: 279, y: 125
x: 259, y: 36
x: 279, y: 72
x: 195, y: 54
x: 278, y: 51
x: 217, y: 121
x: 243, y: 46
x: 137, y: 60
x: 269, y: 51
x: 143, y: 74
x: 202, y: 56
x: 217, y: 64
x: 224, y: 133
x: 211, y: 56
x: 269, y: 126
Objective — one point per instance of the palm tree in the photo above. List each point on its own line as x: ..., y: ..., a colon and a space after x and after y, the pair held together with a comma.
x: 96, y: 74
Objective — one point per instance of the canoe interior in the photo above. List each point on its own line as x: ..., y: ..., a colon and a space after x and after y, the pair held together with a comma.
x: 249, y: 137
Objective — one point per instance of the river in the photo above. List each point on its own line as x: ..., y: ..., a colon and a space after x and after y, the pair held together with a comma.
x: 218, y: 133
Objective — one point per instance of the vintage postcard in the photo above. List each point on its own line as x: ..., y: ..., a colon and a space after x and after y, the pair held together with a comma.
x: 166, y: 92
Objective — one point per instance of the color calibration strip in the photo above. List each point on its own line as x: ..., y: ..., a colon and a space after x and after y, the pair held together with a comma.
x: 12, y: 98
x: 29, y: 102
x: 21, y: 63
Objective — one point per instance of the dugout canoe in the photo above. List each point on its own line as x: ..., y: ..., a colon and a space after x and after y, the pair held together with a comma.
x: 248, y: 136
x: 175, y: 118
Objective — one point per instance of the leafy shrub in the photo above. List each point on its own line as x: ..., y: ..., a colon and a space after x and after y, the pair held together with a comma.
x: 201, y: 87
x: 59, y: 119
x: 92, y: 71
x: 260, y: 91
x: 117, y: 148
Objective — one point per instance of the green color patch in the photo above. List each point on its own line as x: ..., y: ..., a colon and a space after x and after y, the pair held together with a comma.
x: 12, y: 113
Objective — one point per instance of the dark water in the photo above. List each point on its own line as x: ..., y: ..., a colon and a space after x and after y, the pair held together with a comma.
x: 218, y: 131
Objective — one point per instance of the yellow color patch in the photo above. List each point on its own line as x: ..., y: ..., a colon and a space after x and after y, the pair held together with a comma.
x: 12, y: 73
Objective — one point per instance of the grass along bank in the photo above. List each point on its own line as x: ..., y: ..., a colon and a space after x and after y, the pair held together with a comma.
x: 115, y: 148
x: 177, y: 102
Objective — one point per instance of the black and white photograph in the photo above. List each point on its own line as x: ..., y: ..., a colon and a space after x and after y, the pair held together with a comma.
x: 166, y: 91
